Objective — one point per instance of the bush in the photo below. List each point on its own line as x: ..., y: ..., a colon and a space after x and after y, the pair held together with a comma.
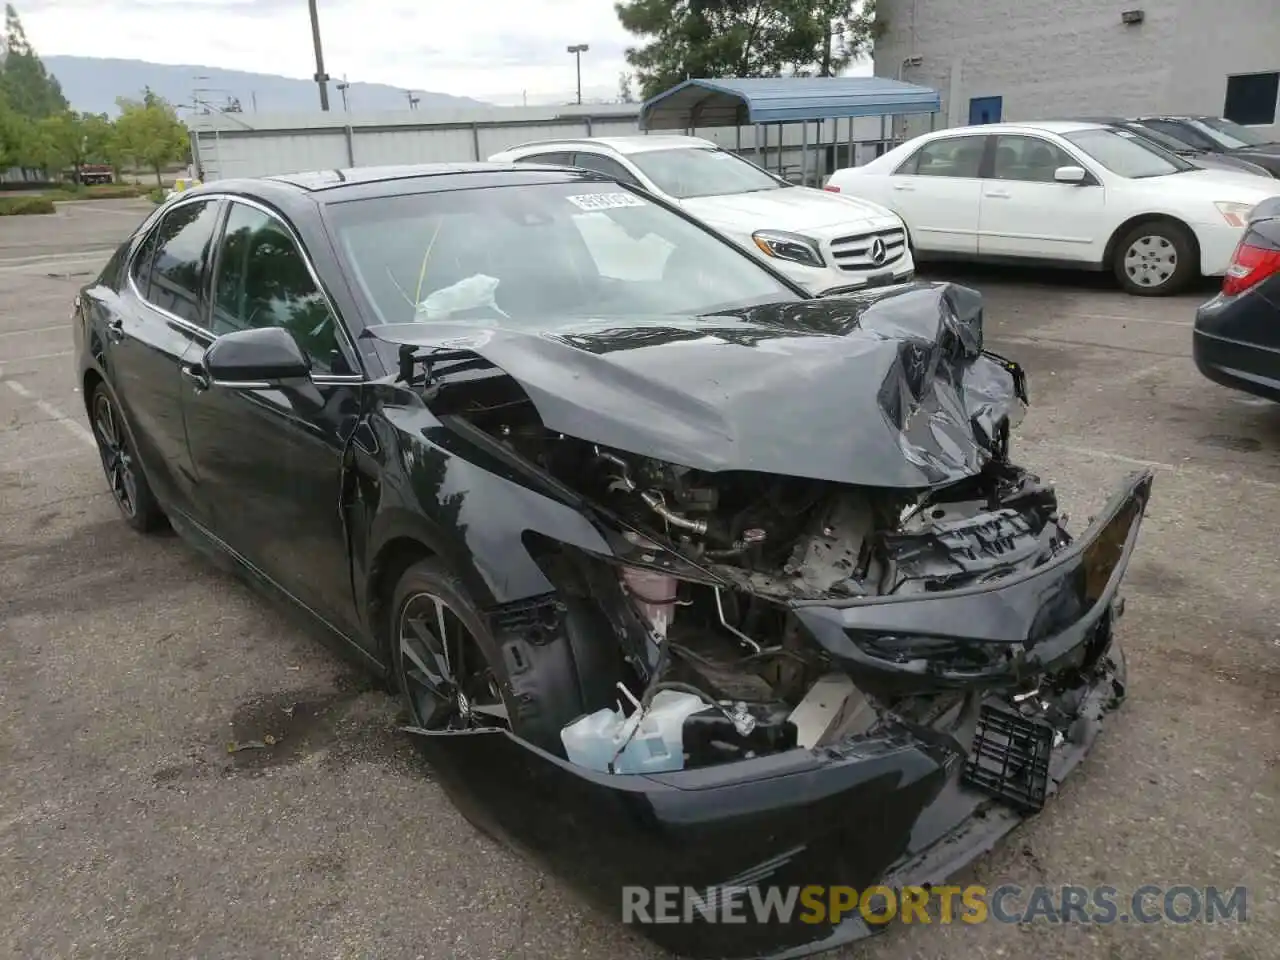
x: 25, y: 185
x: 156, y: 195
x: 99, y: 191
x: 22, y: 206
x: 114, y: 191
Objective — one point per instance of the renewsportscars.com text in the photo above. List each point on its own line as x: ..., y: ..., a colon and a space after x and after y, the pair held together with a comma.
x: 972, y: 904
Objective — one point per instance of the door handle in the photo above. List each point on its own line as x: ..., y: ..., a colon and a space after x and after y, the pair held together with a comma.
x: 997, y: 195
x: 903, y: 186
x: 196, y: 375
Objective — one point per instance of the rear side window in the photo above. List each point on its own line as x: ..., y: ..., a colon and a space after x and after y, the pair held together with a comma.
x: 181, y: 258
x: 948, y: 157
x: 557, y: 159
x: 140, y: 268
x: 606, y: 165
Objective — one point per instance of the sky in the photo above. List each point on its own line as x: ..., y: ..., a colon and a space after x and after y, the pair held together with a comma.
x: 502, y: 51
x: 495, y: 50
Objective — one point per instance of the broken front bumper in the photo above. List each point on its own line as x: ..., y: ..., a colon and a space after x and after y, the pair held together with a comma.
x: 889, y: 806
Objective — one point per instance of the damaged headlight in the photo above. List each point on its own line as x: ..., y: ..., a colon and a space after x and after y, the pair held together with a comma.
x: 789, y: 246
x: 943, y: 651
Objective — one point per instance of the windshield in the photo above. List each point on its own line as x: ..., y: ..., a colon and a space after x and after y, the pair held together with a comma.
x: 522, y: 255
x: 685, y: 172
x: 1172, y: 144
x: 1228, y: 133
x: 1128, y: 154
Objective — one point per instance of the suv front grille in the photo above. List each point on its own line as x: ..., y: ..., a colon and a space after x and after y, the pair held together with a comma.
x: 855, y: 253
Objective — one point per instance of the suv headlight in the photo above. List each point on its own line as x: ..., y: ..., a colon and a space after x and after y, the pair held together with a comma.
x: 789, y: 246
x: 1236, y: 214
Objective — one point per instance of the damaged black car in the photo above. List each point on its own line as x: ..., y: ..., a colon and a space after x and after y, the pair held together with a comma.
x: 687, y: 579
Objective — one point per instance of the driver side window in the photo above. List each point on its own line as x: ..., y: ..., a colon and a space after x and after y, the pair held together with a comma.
x: 263, y: 281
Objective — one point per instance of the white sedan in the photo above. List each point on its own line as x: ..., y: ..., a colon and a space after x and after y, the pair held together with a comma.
x: 824, y: 243
x: 1066, y: 194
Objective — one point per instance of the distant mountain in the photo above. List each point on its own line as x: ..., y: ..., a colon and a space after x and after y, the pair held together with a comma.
x: 92, y: 84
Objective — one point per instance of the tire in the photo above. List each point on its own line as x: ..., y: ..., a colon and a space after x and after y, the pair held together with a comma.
x: 123, y: 470
x: 1155, y: 259
x: 534, y: 685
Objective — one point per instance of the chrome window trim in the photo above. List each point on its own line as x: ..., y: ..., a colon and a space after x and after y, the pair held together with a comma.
x: 208, y: 335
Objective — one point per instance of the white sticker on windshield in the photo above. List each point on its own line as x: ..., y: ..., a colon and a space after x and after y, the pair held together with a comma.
x: 605, y: 201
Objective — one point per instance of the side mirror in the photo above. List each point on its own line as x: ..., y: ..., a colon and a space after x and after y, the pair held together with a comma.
x: 1070, y: 175
x: 257, y: 355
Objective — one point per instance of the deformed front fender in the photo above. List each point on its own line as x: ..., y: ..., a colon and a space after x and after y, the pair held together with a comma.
x: 835, y: 816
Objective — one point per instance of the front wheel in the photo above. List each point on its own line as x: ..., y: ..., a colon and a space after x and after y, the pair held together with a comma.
x: 1155, y: 259
x: 456, y: 674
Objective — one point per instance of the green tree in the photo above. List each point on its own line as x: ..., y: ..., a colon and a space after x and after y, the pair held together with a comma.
x: 19, y: 141
x: 26, y: 84
x: 150, y: 133
x: 742, y: 38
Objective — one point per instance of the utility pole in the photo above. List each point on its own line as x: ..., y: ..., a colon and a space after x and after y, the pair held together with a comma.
x: 578, y: 49
x: 322, y: 78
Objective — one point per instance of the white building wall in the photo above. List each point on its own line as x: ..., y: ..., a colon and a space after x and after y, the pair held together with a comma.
x: 1062, y: 58
x: 251, y: 144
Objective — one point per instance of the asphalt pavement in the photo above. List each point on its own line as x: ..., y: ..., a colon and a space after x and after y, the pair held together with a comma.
x: 129, y: 664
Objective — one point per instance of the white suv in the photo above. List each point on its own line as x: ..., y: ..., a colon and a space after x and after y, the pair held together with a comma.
x: 826, y: 242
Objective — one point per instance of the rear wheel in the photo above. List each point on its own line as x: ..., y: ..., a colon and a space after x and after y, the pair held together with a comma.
x: 1155, y: 259
x: 128, y: 485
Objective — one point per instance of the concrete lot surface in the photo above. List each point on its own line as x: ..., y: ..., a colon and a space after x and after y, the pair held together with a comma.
x: 127, y: 664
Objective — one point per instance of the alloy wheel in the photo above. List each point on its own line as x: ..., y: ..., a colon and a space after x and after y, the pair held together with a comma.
x: 1151, y: 261
x: 449, y: 684
x: 117, y: 460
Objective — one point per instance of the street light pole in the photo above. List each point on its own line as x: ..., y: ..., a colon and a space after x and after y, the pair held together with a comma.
x: 322, y: 78
x: 342, y: 89
x: 578, y: 49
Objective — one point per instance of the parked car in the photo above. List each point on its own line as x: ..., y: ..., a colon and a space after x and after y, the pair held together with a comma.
x: 1197, y: 156
x: 96, y: 173
x: 1220, y: 136
x: 1236, y: 339
x: 1064, y: 194
x: 827, y: 244
x: 677, y: 588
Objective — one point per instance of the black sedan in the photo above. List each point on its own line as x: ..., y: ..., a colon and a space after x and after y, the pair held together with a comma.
x: 1200, y: 156
x: 1236, y: 339
x: 1220, y: 137
x: 687, y: 579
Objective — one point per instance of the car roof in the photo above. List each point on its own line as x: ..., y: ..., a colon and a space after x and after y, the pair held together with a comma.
x: 316, y: 180
x: 642, y: 143
x: 1028, y: 126
x: 336, y: 186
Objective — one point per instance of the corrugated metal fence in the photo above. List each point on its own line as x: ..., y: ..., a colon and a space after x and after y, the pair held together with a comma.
x: 253, y: 144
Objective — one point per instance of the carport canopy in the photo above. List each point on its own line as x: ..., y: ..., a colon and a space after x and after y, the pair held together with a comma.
x: 734, y: 101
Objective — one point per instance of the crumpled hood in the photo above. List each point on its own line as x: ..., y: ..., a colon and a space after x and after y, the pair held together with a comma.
x: 885, y: 388
x: 791, y: 208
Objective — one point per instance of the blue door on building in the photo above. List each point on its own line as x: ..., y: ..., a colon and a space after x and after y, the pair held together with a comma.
x: 985, y: 110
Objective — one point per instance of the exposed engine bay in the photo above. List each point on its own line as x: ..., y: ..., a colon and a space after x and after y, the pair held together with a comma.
x: 730, y: 662
x: 710, y: 592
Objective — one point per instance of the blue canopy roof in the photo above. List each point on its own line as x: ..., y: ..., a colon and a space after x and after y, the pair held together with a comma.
x: 732, y: 101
